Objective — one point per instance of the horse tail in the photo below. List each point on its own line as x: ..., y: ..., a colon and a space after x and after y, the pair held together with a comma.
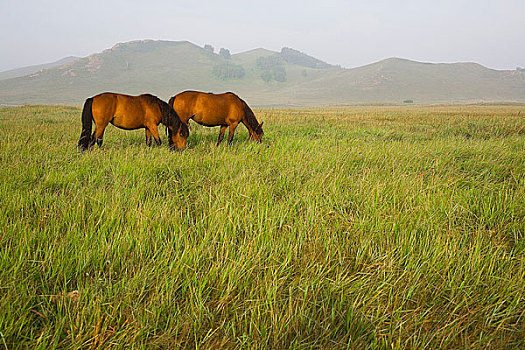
x: 87, y: 118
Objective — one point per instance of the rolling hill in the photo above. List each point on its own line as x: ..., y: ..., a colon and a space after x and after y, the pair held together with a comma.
x: 262, y: 77
x: 20, y: 72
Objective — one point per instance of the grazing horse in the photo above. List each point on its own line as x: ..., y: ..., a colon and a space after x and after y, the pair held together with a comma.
x: 129, y: 113
x: 224, y: 110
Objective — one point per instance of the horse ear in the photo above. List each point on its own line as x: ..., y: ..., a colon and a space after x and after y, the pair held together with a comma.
x: 261, y: 124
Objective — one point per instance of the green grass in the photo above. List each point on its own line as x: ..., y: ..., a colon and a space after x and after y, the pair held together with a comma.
x: 361, y: 227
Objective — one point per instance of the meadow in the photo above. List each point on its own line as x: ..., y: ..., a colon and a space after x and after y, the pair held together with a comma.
x: 370, y: 227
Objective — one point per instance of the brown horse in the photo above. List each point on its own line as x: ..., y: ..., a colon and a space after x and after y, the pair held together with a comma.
x: 129, y: 113
x: 224, y: 110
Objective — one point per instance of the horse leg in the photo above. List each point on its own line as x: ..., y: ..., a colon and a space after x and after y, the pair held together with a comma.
x: 231, y: 133
x: 221, y: 134
x: 98, y: 134
x: 92, y: 140
x: 155, y: 133
x: 148, y: 137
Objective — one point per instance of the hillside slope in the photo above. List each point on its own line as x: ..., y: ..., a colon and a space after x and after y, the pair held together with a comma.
x: 20, y: 72
x: 397, y: 79
x: 262, y: 77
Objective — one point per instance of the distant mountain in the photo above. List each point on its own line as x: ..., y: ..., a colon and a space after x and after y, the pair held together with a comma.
x: 20, y: 72
x: 262, y: 77
x: 395, y: 80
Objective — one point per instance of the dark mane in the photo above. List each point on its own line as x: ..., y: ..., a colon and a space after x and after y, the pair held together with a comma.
x: 164, y: 107
x: 169, y: 116
x: 250, y: 116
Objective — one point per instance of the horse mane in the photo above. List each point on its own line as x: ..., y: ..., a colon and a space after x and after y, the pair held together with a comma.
x: 250, y: 116
x: 169, y: 116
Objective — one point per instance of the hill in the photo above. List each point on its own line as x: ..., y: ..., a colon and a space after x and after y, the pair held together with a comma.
x: 262, y: 77
x: 394, y: 80
x: 20, y: 72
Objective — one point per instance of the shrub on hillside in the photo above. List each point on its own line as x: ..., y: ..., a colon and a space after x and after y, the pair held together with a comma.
x: 228, y: 71
x: 301, y: 59
x: 269, y: 62
x: 209, y: 48
x: 266, y: 75
x: 279, y: 73
x: 225, y: 53
x: 273, y: 68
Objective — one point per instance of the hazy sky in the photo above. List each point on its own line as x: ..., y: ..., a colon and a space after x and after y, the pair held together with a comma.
x: 348, y: 33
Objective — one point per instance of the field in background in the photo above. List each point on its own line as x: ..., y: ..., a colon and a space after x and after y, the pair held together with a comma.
x: 360, y: 227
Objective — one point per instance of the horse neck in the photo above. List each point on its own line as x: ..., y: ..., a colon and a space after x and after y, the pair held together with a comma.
x: 247, y: 125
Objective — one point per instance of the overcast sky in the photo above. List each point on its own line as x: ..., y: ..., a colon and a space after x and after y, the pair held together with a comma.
x: 349, y: 33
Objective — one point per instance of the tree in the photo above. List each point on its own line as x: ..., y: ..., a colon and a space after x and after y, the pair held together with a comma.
x: 269, y: 62
x: 209, y: 48
x: 302, y: 59
x: 279, y: 73
x: 266, y: 75
x: 272, y: 68
x: 225, y: 53
x: 228, y: 71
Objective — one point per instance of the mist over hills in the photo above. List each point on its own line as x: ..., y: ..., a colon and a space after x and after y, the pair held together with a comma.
x: 262, y: 77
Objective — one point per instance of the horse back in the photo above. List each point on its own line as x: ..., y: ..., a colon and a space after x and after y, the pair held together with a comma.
x: 125, y: 111
x: 207, y: 108
x: 184, y: 104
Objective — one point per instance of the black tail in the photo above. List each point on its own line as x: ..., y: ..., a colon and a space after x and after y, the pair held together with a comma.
x: 87, y: 119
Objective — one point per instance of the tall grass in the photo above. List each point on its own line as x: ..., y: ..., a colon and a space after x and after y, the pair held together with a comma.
x: 358, y: 227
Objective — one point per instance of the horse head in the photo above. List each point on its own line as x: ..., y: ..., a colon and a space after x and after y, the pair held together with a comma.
x: 257, y: 133
x: 178, y: 132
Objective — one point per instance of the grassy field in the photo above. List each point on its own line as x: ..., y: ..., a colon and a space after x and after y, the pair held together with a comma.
x: 360, y: 227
